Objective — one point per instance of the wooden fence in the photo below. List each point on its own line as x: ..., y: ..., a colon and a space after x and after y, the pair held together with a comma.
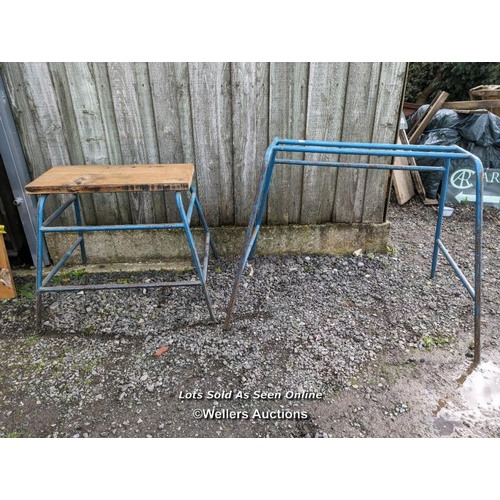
x: 219, y: 116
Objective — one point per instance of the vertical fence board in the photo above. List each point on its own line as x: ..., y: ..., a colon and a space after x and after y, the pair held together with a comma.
x: 70, y: 130
x: 103, y: 88
x: 390, y: 94
x: 172, y: 109
x: 67, y: 112
x: 91, y: 132
x: 123, y: 83
x: 362, y: 87
x: 250, y: 86
x: 42, y: 97
x: 210, y: 90
x: 327, y: 88
x: 287, y: 119
x: 146, y: 113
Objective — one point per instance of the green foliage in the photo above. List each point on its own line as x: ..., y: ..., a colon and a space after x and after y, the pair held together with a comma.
x: 34, y: 339
x: 425, y: 79
x: 435, y: 340
x: 12, y: 435
x: 77, y: 273
x: 392, y: 250
x: 26, y: 290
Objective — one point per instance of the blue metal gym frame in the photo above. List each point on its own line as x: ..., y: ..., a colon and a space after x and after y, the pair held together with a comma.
x: 446, y: 153
x: 44, y: 227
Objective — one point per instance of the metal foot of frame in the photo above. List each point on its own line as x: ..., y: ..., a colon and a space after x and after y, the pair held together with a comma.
x: 38, y: 312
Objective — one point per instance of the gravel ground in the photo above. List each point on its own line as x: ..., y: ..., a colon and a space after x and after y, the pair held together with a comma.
x: 370, y: 344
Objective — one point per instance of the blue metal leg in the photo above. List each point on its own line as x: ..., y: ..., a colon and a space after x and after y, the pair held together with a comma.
x: 194, y: 253
x: 78, y: 216
x: 203, y: 221
x: 442, y: 200
x: 39, y: 261
x: 265, y: 192
x: 478, y: 258
x: 256, y: 216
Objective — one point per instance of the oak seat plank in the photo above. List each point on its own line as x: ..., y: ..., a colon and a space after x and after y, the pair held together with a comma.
x: 113, y: 178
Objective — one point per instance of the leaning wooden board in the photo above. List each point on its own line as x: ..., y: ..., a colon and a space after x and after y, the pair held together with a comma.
x: 417, y: 180
x: 7, y: 288
x: 419, y: 127
x: 113, y: 178
x: 402, y: 180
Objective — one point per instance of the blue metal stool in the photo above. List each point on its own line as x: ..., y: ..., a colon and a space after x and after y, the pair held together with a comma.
x: 123, y: 178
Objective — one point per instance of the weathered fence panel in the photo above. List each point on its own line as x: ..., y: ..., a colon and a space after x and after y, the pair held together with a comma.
x: 325, y: 118
x: 250, y: 101
x: 361, y: 97
x: 219, y: 116
x: 210, y: 90
x: 287, y: 118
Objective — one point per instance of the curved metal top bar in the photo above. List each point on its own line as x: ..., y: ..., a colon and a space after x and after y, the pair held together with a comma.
x: 409, y: 147
x: 474, y: 158
x: 387, y: 150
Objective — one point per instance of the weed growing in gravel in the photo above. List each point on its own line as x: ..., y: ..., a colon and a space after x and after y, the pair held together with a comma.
x: 32, y: 340
x: 123, y: 281
x: 89, y: 366
x: 26, y: 290
x: 432, y: 341
x: 14, y: 434
x: 88, y: 330
x: 392, y: 250
x: 40, y: 366
x: 78, y: 273
x: 68, y: 276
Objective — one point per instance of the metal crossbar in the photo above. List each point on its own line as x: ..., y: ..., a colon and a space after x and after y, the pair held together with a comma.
x: 42, y: 283
x: 445, y: 153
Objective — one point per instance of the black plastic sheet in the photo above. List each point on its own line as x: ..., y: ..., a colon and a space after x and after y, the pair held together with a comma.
x: 476, y: 133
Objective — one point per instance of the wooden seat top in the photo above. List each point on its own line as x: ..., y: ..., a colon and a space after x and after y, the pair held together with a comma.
x: 113, y: 178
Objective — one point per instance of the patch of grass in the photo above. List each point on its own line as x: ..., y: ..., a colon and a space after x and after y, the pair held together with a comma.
x: 13, y: 434
x: 34, y: 339
x: 40, y: 366
x: 89, y: 366
x: 123, y: 281
x: 392, y: 250
x: 77, y: 273
x: 68, y: 276
x: 218, y: 270
x: 88, y: 330
x: 435, y: 340
x: 27, y: 290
